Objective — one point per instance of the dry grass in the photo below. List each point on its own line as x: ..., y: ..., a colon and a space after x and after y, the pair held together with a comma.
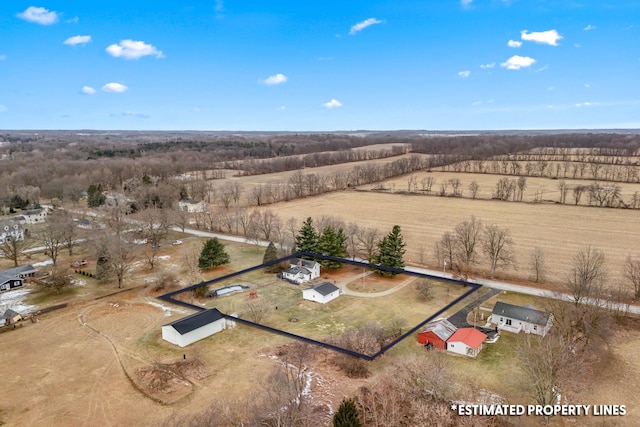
x: 561, y: 230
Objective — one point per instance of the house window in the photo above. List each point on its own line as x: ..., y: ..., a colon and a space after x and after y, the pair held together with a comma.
x: 535, y: 327
x: 508, y: 322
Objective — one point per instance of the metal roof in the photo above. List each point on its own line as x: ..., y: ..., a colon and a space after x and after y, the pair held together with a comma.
x: 195, y: 321
x: 524, y: 314
x: 442, y: 328
x: 325, y: 288
x: 469, y: 336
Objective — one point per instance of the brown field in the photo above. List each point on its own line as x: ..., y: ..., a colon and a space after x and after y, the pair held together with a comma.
x: 547, y: 188
x: 561, y: 230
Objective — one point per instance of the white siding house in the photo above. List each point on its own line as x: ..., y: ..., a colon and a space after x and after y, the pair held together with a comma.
x: 514, y: 318
x: 466, y: 341
x: 191, y: 206
x: 35, y: 216
x: 194, y: 328
x: 11, y: 229
x: 321, y: 292
x: 301, y: 271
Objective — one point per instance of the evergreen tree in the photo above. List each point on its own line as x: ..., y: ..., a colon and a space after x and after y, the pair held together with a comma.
x: 270, y: 254
x: 347, y: 415
x: 390, y: 252
x: 333, y: 243
x: 307, y: 238
x: 95, y: 197
x: 212, y: 255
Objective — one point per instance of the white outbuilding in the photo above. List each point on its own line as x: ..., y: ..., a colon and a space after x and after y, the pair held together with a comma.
x: 322, y: 292
x: 194, y: 328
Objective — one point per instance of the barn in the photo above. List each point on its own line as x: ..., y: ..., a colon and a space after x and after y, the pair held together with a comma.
x: 436, y: 333
x: 322, y: 292
x: 466, y: 341
x: 515, y: 318
x: 194, y: 328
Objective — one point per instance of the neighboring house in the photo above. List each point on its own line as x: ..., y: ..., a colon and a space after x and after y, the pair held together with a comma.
x: 191, y: 206
x: 514, y: 318
x: 9, y: 317
x: 301, y: 271
x: 14, y: 277
x: 34, y: 216
x: 322, y: 292
x: 436, y: 333
x: 466, y: 341
x: 13, y: 229
x: 194, y: 328
x: 119, y: 201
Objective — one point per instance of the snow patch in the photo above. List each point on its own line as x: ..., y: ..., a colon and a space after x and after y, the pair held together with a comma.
x: 164, y: 257
x: 167, y: 310
x: 14, y: 300
x: 43, y: 263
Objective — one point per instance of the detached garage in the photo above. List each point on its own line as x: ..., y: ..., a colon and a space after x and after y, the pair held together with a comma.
x: 322, y: 292
x: 436, y: 333
x: 466, y: 341
x: 194, y: 328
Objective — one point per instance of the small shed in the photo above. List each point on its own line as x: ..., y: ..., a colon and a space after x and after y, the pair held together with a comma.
x: 515, y: 318
x: 194, y: 328
x: 466, y: 341
x: 436, y: 333
x: 322, y: 292
x: 10, y: 317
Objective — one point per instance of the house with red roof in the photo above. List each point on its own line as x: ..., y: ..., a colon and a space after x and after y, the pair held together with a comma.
x: 466, y: 341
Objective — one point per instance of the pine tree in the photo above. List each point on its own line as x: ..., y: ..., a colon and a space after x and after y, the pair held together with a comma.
x: 270, y: 254
x: 390, y: 252
x: 307, y: 238
x: 347, y: 415
x: 333, y: 243
x: 212, y: 255
x: 95, y: 197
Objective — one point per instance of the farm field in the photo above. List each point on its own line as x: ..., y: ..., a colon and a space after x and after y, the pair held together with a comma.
x: 560, y: 230
x: 546, y: 189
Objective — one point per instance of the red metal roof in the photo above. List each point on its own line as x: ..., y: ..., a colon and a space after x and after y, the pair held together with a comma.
x: 469, y: 336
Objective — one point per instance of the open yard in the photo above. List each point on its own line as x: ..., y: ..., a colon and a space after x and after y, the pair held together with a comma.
x: 560, y: 230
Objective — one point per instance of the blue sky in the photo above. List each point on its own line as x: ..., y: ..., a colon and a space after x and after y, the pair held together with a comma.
x: 320, y: 66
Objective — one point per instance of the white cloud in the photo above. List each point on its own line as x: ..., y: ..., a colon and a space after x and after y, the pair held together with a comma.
x: 590, y: 27
x: 514, y: 43
x: 39, y: 15
x: 89, y: 90
x: 3, y: 57
x: 3, y: 108
x: 587, y: 85
x: 334, y: 103
x: 516, y: 62
x: 490, y: 65
x: 464, y: 74
x: 364, y: 24
x: 282, y: 108
x: 133, y: 49
x: 114, y: 87
x: 73, y: 20
x: 276, y: 79
x: 466, y: 3
x: 550, y: 37
x: 76, y: 40
x: 586, y: 104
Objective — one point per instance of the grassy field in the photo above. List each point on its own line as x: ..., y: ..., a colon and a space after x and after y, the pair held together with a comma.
x: 561, y: 230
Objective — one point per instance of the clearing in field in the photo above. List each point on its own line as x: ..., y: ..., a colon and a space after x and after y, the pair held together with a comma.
x: 266, y: 302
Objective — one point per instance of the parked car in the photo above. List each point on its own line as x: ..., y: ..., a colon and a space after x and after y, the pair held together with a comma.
x: 177, y: 242
x: 80, y: 263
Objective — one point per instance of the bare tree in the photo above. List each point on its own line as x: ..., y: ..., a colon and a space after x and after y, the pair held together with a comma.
x: 473, y: 188
x: 522, y: 184
x: 52, y: 238
x: 445, y: 250
x: 588, y: 275
x: 155, y: 224
x: 13, y: 248
x: 118, y: 257
x: 564, y: 188
x: 257, y: 309
x: 577, y: 193
x: 632, y: 273
x: 537, y: 263
x: 368, y: 238
x: 467, y: 237
x: 455, y: 187
x: 497, y: 245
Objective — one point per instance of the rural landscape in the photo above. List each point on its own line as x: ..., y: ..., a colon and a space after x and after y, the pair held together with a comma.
x: 331, y: 263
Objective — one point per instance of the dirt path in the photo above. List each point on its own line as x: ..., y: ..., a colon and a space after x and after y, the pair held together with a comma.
x: 346, y: 291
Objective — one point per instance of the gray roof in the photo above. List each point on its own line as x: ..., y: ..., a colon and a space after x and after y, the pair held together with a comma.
x: 303, y: 262
x: 296, y: 270
x: 524, y: 314
x: 442, y: 328
x: 15, y: 271
x: 33, y: 212
x: 9, y: 314
x: 195, y: 321
x: 325, y: 288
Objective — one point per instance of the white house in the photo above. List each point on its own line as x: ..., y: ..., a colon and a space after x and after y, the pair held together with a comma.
x: 14, y: 277
x: 301, y: 271
x: 194, y: 328
x: 322, y: 292
x: 11, y: 229
x: 191, y: 206
x: 466, y: 341
x: 34, y: 216
x: 514, y: 318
